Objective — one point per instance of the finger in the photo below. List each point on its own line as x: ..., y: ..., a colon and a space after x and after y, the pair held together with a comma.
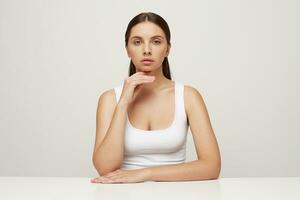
x: 99, y: 179
x: 140, y: 81
x: 140, y: 72
x: 94, y: 179
x: 112, y: 174
x: 144, y: 75
x: 116, y: 180
x: 142, y: 78
x: 120, y: 180
x: 108, y: 174
x: 117, y: 176
x: 137, y: 74
x: 148, y: 76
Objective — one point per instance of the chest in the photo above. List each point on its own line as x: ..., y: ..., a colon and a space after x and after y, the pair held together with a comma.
x: 154, y: 112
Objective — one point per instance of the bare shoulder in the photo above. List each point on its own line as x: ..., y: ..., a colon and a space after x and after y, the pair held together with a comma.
x: 108, y: 94
x: 192, y: 98
x: 191, y: 91
x: 107, y: 99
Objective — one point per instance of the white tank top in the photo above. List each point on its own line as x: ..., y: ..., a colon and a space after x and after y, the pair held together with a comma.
x: 146, y: 148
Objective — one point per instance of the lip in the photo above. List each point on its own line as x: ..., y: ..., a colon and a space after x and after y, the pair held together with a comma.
x: 147, y: 60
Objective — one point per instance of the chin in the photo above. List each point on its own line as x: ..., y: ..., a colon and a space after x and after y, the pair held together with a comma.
x: 146, y: 69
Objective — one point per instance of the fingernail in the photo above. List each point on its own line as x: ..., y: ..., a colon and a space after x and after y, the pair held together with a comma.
x: 96, y: 180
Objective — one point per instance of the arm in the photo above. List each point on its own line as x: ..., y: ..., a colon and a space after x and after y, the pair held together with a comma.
x: 110, y: 125
x: 189, y: 171
x: 208, y: 164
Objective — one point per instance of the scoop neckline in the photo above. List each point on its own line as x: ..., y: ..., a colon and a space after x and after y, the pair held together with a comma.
x: 158, y: 130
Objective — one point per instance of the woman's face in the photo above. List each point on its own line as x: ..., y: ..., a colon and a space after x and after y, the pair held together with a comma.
x: 147, y: 41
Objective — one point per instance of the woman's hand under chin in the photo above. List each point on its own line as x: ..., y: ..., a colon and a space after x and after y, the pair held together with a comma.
x: 124, y: 176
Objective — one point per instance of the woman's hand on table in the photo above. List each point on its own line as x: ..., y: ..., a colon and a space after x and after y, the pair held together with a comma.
x: 123, y: 176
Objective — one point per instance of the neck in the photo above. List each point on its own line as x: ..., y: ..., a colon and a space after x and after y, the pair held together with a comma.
x: 159, y: 82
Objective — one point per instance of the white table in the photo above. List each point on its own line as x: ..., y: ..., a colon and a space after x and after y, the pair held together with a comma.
x: 56, y: 188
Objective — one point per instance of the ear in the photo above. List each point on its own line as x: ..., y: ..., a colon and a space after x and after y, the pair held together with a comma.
x: 168, y: 50
x: 128, y: 53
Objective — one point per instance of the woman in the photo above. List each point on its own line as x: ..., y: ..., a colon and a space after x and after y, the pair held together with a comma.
x: 142, y: 124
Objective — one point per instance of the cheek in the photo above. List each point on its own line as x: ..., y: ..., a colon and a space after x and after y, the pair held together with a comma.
x: 162, y: 50
x: 160, y: 53
x: 134, y: 52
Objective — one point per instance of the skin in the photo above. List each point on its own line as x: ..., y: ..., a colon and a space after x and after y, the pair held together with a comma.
x: 153, y: 42
x: 147, y: 37
x: 159, y: 92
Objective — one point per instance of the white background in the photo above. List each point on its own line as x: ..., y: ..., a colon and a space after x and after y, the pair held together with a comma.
x: 58, y: 56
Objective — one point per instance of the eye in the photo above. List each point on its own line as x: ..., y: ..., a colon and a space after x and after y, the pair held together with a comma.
x: 157, y: 41
x: 137, y: 42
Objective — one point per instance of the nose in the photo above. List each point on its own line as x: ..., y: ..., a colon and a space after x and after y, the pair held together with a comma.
x: 147, y: 50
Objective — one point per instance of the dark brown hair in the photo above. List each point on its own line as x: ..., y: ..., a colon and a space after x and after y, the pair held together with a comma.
x: 158, y: 20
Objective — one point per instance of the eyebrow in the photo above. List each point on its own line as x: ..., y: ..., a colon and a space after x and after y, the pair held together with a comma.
x: 139, y: 37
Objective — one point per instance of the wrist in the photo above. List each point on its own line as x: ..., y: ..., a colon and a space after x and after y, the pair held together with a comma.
x: 148, y: 173
x: 122, y: 104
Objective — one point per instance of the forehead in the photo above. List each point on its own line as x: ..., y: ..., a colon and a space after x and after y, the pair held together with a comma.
x: 146, y: 30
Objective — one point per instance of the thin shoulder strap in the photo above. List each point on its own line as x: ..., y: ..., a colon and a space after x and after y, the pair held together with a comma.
x: 118, y: 90
x: 180, y: 100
